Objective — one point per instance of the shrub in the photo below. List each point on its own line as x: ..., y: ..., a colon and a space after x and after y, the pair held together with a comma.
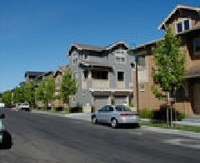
x: 161, y: 114
x: 76, y: 110
x: 145, y: 113
x: 59, y: 108
x: 179, y: 115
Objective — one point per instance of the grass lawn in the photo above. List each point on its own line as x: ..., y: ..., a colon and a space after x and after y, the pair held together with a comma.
x: 178, y: 127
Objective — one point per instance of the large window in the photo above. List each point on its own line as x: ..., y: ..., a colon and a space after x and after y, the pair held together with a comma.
x: 100, y: 75
x: 183, y: 25
x: 196, y: 45
x: 120, y: 76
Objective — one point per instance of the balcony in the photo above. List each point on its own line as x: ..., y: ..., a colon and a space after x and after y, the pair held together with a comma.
x: 120, y: 84
x: 100, y: 83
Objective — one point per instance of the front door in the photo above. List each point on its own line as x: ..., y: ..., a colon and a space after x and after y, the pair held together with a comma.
x: 196, y: 98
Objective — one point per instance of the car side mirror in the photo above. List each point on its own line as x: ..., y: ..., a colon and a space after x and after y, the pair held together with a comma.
x: 2, y: 116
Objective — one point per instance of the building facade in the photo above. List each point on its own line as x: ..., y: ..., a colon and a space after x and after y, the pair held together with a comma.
x: 103, y: 75
x: 185, y: 24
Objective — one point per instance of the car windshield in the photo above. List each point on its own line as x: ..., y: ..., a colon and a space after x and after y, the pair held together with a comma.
x: 122, y: 108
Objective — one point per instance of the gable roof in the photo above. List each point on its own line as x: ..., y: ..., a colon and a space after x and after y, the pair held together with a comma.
x: 178, y: 7
x: 87, y: 47
x: 115, y: 44
x: 61, y: 69
x: 94, y: 48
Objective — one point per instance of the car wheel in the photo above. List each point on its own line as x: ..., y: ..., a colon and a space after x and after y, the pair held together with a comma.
x: 94, y: 120
x: 114, y: 123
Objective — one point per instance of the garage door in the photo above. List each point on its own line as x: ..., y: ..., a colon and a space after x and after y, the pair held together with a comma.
x: 121, y: 100
x: 100, y: 101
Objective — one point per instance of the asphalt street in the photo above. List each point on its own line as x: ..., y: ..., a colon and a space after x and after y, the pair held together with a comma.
x: 40, y: 138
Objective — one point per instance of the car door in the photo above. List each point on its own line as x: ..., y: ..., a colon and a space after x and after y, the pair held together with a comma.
x: 99, y: 115
x: 108, y: 114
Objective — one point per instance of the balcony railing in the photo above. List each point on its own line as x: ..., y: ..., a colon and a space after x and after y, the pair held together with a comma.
x: 120, y: 84
x: 100, y: 83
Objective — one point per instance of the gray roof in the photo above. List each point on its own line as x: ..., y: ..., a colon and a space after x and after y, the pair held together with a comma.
x: 88, y: 47
x: 94, y: 48
x: 34, y: 73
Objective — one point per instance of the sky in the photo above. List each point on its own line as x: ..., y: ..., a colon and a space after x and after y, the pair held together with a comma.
x: 36, y: 34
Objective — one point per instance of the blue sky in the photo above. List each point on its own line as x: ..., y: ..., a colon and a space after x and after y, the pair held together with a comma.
x: 35, y: 34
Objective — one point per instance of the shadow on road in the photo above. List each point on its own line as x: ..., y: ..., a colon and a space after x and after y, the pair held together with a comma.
x: 123, y: 126
x: 7, y: 141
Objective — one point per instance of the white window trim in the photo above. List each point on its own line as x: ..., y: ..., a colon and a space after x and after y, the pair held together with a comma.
x: 182, y: 23
x: 194, y: 51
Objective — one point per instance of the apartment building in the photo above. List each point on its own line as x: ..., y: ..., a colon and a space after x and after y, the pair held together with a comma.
x: 103, y: 74
x: 185, y: 24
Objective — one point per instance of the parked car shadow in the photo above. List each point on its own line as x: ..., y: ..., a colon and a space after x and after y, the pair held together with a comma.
x: 7, y: 141
x: 123, y: 126
x: 128, y: 126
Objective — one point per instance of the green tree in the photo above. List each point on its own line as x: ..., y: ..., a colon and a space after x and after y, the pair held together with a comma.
x: 29, y: 95
x: 45, y: 90
x: 169, y: 63
x: 7, y: 98
x: 18, y: 95
x: 25, y: 93
x: 68, y: 86
x: 50, y: 88
x: 169, y: 67
x: 39, y: 91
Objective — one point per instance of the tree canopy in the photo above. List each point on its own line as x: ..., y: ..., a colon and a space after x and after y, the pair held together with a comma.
x: 68, y: 85
x: 169, y: 67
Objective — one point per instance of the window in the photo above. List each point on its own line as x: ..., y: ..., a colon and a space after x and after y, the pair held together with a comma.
x: 187, y: 24
x: 196, y: 44
x: 74, y: 61
x: 179, y: 27
x: 120, y: 56
x: 85, y: 73
x: 141, y: 87
x: 100, y: 75
x: 86, y: 54
x: 141, y: 61
x: 182, y: 25
x: 72, y: 98
x: 74, y: 58
x: 120, y: 76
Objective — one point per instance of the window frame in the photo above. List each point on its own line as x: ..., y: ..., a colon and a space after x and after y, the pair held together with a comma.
x: 183, y: 25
